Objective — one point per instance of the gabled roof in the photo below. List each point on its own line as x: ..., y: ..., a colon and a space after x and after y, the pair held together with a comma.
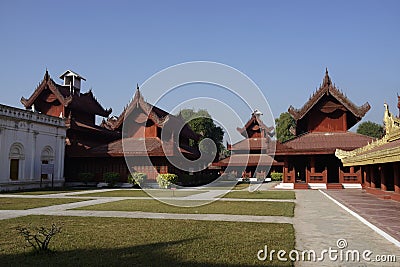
x: 71, y: 73
x: 327, y: 88
x: 157, y: 115
x: 58, y: 90
x: 255, y: 118
x: 85, y: 102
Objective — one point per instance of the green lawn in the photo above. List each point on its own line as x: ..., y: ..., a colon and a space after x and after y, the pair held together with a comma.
x: 88, y: 241
x: 10, y: 203
x: 45, y: 192
x: 141, y: 193
x: 217, y: 207
x: 262, y: 194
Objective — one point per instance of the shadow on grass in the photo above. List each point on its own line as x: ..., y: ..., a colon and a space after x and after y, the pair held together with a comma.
x: 155, y: 254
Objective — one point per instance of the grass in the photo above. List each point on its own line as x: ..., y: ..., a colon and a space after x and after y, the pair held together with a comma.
x: 141, y: 193
x: 10, y: 203
x: 262, y: 195
x: 88, y: 241
x: 217, y: 207
x: 46, y: 191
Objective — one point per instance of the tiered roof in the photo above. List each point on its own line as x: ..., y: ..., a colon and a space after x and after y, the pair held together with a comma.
x: 384, y: 150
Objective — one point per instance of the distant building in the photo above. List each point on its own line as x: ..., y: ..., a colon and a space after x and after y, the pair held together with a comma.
x: 31, y: 149
x: 252, y: 156
x: 322, y: 126
x: 379, y: 160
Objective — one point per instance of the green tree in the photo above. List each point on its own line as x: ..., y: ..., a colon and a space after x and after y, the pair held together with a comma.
x: 370, y: 128
x: 283, y: 125
x: 201, y: 122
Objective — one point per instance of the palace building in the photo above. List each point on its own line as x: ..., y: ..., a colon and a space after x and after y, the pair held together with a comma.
x: 379, y: 160
x: 322, y: 126
x: 98, y: 149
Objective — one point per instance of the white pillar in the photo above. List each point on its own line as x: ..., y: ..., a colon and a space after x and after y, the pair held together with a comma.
x: 32, y: 158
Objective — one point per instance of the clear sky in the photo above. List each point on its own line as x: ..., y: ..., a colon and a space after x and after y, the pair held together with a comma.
x: 283, y: 46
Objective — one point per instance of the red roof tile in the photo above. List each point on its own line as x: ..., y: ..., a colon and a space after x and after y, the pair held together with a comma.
x: 324, y: 143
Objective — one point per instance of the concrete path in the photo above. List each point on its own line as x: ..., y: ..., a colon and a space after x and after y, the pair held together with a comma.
x: 319, y: 223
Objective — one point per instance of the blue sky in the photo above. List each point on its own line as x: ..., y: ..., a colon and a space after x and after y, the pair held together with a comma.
x: 283, y: 46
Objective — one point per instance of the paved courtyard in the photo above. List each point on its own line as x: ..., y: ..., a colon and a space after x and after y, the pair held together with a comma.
x: 319, y: 222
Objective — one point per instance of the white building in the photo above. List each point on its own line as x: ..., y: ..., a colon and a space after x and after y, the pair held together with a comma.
x: 31, y: 149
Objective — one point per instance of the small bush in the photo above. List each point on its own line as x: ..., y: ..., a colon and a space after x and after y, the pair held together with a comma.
x: 86, y: 177
x: 111, y: 178
x: 276, y: 176
x: 137, y: 178
x: 40, y: 238
x: 166, y: 180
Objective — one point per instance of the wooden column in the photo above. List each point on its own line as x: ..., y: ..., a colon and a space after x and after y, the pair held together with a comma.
x: 371, y: 174
x: 285, y: 171
x: 366, y: 176
x: 383, y: 178
x: 312, y: 164
x: 396, y: 174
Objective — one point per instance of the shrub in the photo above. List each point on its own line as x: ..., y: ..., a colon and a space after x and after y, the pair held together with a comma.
x: 137, y: 178
x: 39, y: 239
x: 111, y: 178
x: 86, y: 177
x: 276, y: 176
x: 165, y: 180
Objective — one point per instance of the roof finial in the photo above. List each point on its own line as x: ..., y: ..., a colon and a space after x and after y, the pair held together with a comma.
x: 327, y: 79
x: 46, y: 75
x: 137, y: 86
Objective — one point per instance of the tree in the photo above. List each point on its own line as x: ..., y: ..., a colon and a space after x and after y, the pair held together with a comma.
x: 201, y: 122
x: 283, y: 125
x: 370, y: 128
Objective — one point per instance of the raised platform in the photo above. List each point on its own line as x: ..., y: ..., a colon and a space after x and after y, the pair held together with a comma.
x: 383, y: 194
x: 333, y: 186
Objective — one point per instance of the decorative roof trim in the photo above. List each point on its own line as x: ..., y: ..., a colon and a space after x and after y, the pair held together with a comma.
x: 254, y: 118
x: 42, y: 86
x: 329, y: 89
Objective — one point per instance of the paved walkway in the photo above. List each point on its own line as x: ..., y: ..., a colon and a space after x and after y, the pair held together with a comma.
x: 319, y: 223
x: 383, y: 213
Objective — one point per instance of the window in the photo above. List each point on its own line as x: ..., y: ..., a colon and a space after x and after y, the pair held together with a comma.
x: 16, y: 161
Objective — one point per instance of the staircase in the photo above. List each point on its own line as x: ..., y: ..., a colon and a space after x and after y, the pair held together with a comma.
x: 300, y: 186
x: 334, y: 186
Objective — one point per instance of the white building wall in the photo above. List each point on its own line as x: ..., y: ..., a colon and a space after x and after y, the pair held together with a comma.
x: 37, y: 133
